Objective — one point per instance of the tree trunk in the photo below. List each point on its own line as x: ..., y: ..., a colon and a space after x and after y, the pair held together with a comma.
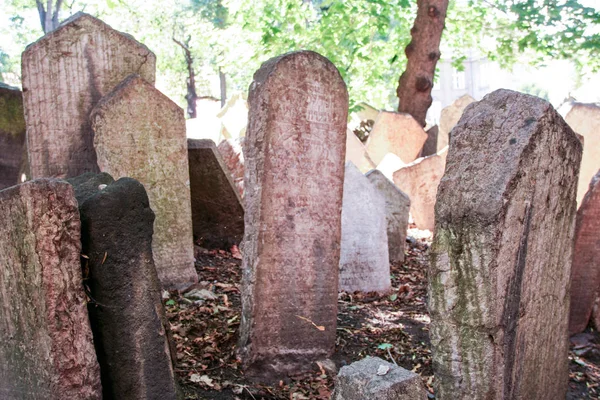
x: 191, y: 95
x: 223, y: 86
x: 48, y: 17
x: 422, y: 53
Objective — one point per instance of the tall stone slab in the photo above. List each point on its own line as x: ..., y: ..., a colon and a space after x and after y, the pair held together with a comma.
x: 356, y: 152
x: 295, y: 147
x: 217, y: 211
x: 232, y: 153
x: 127, y: 315
x: 585, y: 120
x: 140, y: 133
x: 65, y: 73
x: 430, y: 145
x: 397, y: 210
x: 450, y: 117
x: 585, y: 272
x: 46, y: 349
x: 364, y: 261
x: 501, y: 255
x: 12, y: 135
x: 396, y: 133
x: 420, y: 180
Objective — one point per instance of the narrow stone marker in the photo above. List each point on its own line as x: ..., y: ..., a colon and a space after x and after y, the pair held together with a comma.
x: 585, y: 272
x: 46, y: 349
x: 364, y: 260
x: 217, y: 211
x: 140, y: 133
x: 232, y: 153
x: 294, y: 182
x: 449, y: 117
x: 126, y: 311
x: 397, y: 210
x: 65, y: 73
x: 12, y: 135
x: 501, y: 255
x: 430, y: 146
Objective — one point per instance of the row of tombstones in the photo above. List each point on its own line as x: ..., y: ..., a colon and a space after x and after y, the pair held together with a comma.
x: 504, y: 219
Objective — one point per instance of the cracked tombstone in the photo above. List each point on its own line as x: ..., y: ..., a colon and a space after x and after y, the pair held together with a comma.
x: 364, y: 259
x: 217, y: 211
x: 232, y: 153
x: 397, y: 210
x: 65, y: 73
x: 140, y: 133
x: 501, y: 254
x: 12, y: 136
x: 127, y: 315
x: 46, y: 348
x: 294, y: 181
x: 449, y: 118
x: 585, y: 272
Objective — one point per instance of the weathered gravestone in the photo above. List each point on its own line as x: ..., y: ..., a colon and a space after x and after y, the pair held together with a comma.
x: 396, y: 133
x: 585, y: 272
x: 65, y: 74
x: 501, y: 255
x: 46, y: 349
x: 127, y: 315
x: 585, y: 120
x: 356, y: 152
x: 364, y: 260
x: 397, y: 209
x: 430, y: 145
x: 12, y: 135
x: 217, y: 211
x: 140, y: 133
x: 294, y: 182
x: 232, y: 153
x: 450, y: 117
x: 420, y: 180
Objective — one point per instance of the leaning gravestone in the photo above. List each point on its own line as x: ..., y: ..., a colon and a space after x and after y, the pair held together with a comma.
x: 397, y: 209
x: 127, y: 315
x: 65, y: 74
x: 12, y: 135
x: 364, y: 261
x: 232, y: 153
x: 356, y: 152
x: 217, y: 211
x: 140, y: 133
x: 501, y: 255
x: 449, y: 118
x: 294, y: 182
x: 585, y: 272
x: 46, y: 349
x: 430, y: 145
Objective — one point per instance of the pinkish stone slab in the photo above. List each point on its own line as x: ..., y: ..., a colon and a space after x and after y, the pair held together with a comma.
x: 12, y: 136
x: 356, y: 152
x: 65, y: 74
x: 449, y: 118
x: 232, y: 153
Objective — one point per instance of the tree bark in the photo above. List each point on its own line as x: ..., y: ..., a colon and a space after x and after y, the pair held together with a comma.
x: 191, y: 95
x: 422, y: 53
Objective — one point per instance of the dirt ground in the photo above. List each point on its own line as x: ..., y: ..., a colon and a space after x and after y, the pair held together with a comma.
x: 205, y: 322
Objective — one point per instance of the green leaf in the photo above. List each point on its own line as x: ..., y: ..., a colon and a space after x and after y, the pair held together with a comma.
x: 385, y: 346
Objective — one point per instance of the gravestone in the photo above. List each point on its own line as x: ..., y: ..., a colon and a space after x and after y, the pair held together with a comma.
x: 65, y: 73
x: 217, y: 211
x: 396, y: 133
x: 397, y: 209
x: 390, y: 164
x: 46, y: 348
x: 585, y: 272
x: 234, y: 117
x: 420, y: 180
x: 430, y: 145
x: 356, y: 152
x: 585, y: 120
x: 12, y: 135
x: 501, y: 254
x: 232, y: 153
x: 127, y: 315
x: 294, y: 181
x: 140, y: 133
x: 364, y: 261
x: 450, y: 117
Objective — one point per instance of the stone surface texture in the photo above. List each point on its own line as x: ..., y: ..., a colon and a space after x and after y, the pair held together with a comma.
x: 232, y: 153
x: 356, y: 152
x: 65, y: 73
x: 295, y: 147
x: 420, y: 180
x: 430, y: 145
x: 396, y: 133
x: 584, y: 119
x: 88, y: 184
x: 501, y: 254
x: 397, y: 210
x: 585, y: 271
x: 375, y: 379
x: 217, y: 211
x: 364, y: 261
x: 127, y: 315
x: 46, y: 348
x: 12, y: 136
x: 450, y: 117
x: 140, y: 133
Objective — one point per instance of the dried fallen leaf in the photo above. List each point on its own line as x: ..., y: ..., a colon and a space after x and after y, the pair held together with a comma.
x: 319, y: 327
